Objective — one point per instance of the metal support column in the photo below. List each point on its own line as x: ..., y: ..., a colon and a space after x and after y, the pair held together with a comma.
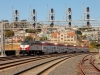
x: 2, y: 40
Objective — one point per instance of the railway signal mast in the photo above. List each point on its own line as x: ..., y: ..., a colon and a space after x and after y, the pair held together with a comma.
x: 88, y: 16
x: 33, y: 18
x: 52, y: 17
x: 16, y: 18
x: 69, y: 16
x: 16, y: 15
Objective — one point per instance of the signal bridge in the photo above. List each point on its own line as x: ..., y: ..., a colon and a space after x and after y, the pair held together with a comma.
x: 47, y: 24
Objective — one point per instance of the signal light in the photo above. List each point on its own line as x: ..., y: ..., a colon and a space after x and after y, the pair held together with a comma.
x: 34, y: 18
x: 88, y: 24
x: 33, y: 11
x: 52, y: 10
x: 69, y: 10
x: 34, y: 24
x: 52, y: 24
x: 16, y: 25
x: 69, y: 24
x: 16, y: 18
x: 88, y: 16
x: 69, y: 17
x: 52, y: 17
x: 16, y: 12
x: 87, y: 9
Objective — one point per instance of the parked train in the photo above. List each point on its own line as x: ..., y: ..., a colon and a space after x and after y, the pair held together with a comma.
x: 38, y: 47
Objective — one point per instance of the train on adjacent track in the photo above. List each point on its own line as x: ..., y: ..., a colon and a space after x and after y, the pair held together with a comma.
x: 39, y: 47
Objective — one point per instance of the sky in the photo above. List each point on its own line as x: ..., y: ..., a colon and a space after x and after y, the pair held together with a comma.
x: 23, y: 6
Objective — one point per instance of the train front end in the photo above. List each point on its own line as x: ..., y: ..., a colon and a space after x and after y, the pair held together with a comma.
x: 24, y: 48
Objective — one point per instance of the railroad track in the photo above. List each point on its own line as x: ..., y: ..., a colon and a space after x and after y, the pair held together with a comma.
x: 46, y: 67
x: 18, y: 65
x: 87, y: 66
x: 11, y: 58
x: 21, y: 57
x: 24, y: 59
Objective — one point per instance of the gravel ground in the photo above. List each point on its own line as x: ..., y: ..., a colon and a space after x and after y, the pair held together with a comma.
x: 69, y: 67
x: 97, y: 60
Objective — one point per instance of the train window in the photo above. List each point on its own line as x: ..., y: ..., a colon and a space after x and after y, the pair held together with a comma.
x: 54, y: 47
x: 44, y: 47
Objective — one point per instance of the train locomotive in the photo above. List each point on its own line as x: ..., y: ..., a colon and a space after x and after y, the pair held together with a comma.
x: 39, y: 47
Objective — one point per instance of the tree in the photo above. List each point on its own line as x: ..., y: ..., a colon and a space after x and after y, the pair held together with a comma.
x: 83, y: 36
x: 93, y: 44
x: 43, y: 38
x: 31, y: 31
x: 78, y: 32
x: 28, y: 38
x: 39, y: 29
x: 9, y: 33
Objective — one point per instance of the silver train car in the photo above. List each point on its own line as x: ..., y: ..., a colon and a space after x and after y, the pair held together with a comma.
x: 38, y: 47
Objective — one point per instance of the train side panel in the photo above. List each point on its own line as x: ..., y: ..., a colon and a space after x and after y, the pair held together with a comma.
x: 47, y: 48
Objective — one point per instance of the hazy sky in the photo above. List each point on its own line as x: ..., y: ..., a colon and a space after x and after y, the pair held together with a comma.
x: 23, y: 6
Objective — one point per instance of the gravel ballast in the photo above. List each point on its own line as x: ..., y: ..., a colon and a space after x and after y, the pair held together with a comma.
x: 69, y: 67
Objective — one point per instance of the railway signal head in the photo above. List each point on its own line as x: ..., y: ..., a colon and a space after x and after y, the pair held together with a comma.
x: 52, y: 10
x: 88, y: 23
x: 52, y: 24
x: 16, y: 12
x: 69, y: 24
x: 88, y: 16
x: 87, y: 9
x: 16, y: 18
x: 52, y: 17
x: 34, y: 24
x: 33, y: 11
x: 34, y: 18
x: 69, y: 17
x: 69, y: 10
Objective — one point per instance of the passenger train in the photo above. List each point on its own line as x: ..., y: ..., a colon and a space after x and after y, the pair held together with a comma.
x: 38, y: 47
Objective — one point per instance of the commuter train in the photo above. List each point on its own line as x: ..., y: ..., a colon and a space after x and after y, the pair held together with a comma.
x: 38, y: 47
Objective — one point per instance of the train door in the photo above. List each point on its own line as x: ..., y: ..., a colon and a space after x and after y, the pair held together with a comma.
x: 66, y: 49
x: 45, y: 49
x: 70, y: 49
x: 48, y: 49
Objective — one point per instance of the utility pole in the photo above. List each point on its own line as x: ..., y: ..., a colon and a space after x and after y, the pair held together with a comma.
x: 2, y: 40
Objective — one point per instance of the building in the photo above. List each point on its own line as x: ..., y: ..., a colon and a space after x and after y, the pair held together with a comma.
x: 91, y: 35
x: 64, y: 37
